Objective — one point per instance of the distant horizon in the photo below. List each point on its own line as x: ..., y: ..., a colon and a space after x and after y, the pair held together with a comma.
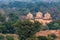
x: 31, y: 0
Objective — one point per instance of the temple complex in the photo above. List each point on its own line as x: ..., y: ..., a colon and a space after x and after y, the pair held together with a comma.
x: 40, y: 18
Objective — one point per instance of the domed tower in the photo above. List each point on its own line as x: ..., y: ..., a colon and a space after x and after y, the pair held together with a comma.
x: 47, y: 16
x: 29, y: 16
x: 38, y: 15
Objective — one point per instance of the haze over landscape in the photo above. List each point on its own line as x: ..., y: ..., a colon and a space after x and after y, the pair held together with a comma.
x: 29, y: 19
x: 33, y: 0
x: 22, y: 7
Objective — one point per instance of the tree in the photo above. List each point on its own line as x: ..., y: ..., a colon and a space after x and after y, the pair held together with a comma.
x: 2, y: 18
x: 52, y: 36
x: 42, y: 38
x: 9, y: 37
x: 44, y: 27
x: 13, y: 17
x: 1, y: 37
x: 55, y: 25
x: 33, y: 37
x: 2, y: 27
x: 26, y: 28
x: 7, y: 27
x: 49, y: 37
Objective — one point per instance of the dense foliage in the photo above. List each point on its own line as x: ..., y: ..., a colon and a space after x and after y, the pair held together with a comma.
x: 22, y: 8
x: 49, y: 37
x: 26, y: 29
x: 9, y: 38
x: 1, y: 37
x: 55, y: 25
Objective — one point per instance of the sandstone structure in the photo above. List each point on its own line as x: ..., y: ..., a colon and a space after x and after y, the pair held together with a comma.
x: 40, y: 18
x: 30, y: 17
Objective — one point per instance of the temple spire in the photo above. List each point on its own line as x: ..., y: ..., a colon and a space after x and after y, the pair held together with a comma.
x: 29, y: 16
x: 47, y: 16
x: 38, y: 15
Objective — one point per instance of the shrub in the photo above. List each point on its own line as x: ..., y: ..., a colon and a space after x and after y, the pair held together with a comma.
x: 10, y: 38
x: 32, y: 38
x: 1, y: 37
x: 52, y: 36
x: 42, y: 38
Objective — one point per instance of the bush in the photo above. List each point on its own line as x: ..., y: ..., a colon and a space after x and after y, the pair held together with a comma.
x: 42, y: 38
x: 52, y: 36
x: 1, y: 37
x: 32, y: 38
x: 10, y: 38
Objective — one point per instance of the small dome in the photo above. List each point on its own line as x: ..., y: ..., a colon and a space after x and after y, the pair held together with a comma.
x: 29, y: 16
x: 38, y: 15
x: 47, y: 16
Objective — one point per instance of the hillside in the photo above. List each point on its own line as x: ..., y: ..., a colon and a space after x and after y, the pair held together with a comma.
x: 22, y: 8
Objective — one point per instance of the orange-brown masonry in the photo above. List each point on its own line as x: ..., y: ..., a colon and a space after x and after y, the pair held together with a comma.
x: 40, y: 18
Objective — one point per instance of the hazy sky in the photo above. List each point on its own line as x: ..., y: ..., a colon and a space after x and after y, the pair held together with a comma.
x: 33, y: 0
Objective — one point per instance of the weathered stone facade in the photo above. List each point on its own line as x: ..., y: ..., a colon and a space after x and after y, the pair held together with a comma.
x: 40, y: 18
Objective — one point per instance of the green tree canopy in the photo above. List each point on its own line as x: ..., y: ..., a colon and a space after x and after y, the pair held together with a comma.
x: 54, y: 25
x: 26, y: 28
x: 7, y: 27
x: 13, y: 17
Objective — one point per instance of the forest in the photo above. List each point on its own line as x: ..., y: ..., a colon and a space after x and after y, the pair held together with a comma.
x: 22, y: 8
